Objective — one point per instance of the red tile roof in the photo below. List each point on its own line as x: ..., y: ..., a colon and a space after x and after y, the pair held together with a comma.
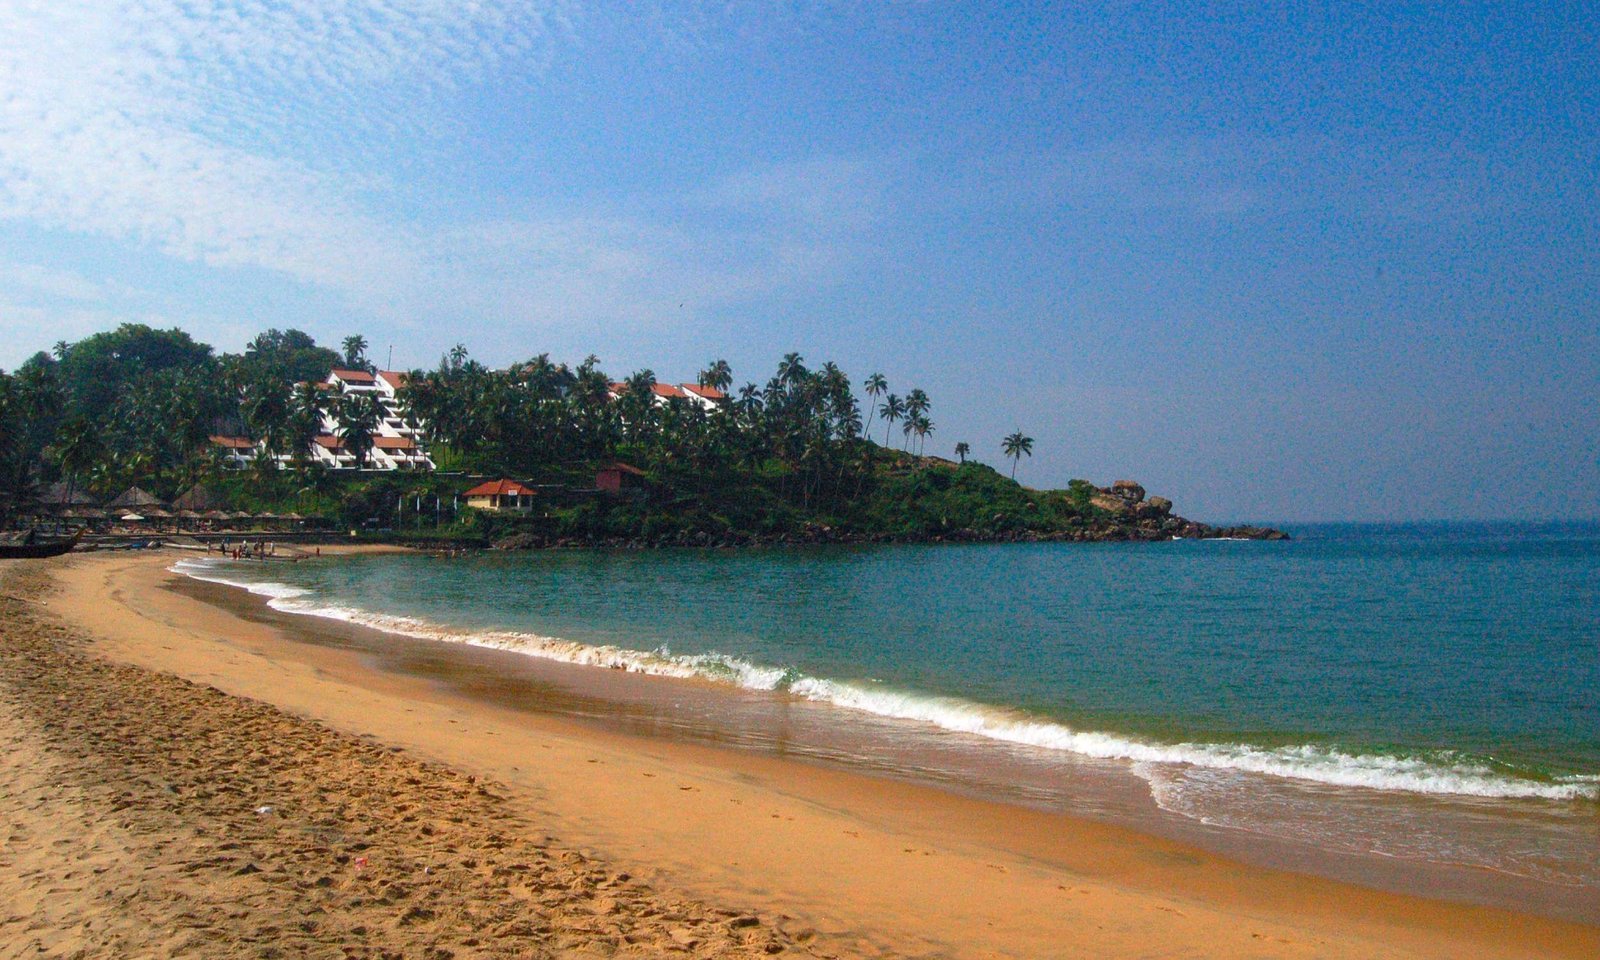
x: 622, y: 467
x: 234, y: 443
x: 666, y: 390
x: 393, y: 378
x: 710, y: 393
x: 394, y: 443
x: 330, y: 442
x: 499, y: 488
x: 354, y: 376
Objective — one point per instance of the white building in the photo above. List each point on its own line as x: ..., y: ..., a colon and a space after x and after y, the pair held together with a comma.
x: 396, y: 445
x: 706, y: 398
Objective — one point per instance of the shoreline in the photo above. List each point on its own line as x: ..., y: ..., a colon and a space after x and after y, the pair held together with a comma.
x: 700, y: 711
x: 834, y: 845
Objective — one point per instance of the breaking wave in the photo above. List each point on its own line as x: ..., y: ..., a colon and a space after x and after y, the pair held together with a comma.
x: 1435, y: 772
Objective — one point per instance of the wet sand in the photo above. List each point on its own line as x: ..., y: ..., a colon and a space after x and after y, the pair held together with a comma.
x: 760, y: 853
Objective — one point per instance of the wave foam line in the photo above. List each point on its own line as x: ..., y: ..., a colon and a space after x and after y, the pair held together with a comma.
x: 1441, y: 774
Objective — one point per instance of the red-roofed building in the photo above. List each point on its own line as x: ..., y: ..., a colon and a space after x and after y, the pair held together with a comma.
x: 616, y: 477
x: 392, y: 379
x: 705, y: 393
x: 705, y: 397
x: 500, y: 495
x: 353, y: 379
x: 397, y: 437
x: 237, y: 452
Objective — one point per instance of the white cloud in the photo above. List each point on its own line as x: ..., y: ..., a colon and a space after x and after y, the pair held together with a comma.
x: 175, y: 125
x: 255, y: 134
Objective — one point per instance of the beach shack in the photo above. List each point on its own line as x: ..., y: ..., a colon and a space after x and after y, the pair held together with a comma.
x: 500, y: 495
x: 614, y: 478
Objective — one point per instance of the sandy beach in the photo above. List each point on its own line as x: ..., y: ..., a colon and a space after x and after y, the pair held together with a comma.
x: 177, y: 780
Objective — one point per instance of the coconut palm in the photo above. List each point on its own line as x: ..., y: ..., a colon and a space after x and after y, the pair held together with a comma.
x: 355, y: 352
x: 358, y: 416
x: 917, y: 403
x: 875, y: 386
x: 791, y: 369
x: 893, y: 409
x: 78, y: 448
x: 1015, y: 447
x: 962, y: 449
x: 305, y: 422
x: 717, y: 375
x: 921, y: 426
x: 268, y: 409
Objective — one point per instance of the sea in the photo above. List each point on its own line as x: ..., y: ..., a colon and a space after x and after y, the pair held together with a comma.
x: 1418, y: 695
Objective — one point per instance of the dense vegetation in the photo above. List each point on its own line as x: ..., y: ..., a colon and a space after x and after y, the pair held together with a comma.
x: 790, y: 456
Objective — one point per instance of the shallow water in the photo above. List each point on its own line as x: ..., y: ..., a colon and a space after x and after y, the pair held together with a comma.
x: 1427, y: 693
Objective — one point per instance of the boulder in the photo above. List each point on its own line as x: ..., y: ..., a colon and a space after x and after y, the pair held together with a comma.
x: 1128, y: 490
x: 1109, y: 502
x: 1160, y: 506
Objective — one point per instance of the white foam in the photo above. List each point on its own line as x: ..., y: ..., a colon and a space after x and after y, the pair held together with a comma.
x: 1442, y: 773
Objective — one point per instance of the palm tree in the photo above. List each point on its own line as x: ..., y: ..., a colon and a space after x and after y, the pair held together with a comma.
x: 718, y: 376
x: 962, y: 449
x: 267, y: 410
x: 791, y: 369
x: 305, y: 422
x: 355, y: 352
x: 1015, y: 446
x: 358, y: 424
x: 917, y: 403
x: 78, y: 449
x: 893, y: 409
x: 921, y: 426
x: 875, y: 386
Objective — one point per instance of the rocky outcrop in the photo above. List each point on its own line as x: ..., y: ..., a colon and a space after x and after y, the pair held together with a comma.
x: 1110, y: 503
x: 1121, y: 513
x: 1127, y: 490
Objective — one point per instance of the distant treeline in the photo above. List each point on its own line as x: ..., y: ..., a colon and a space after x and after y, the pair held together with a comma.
x: 138, y: 405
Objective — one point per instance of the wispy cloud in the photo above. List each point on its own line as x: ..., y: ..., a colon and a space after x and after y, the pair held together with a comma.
x: 254, y: 134
x: 179, y: 125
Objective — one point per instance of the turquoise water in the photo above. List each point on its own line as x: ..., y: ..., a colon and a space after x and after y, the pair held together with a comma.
x: 1455, y: 663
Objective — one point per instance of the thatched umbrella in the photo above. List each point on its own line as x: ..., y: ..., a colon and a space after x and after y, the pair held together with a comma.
x: 64, y: 497
x: 200, y: 498
x: 136, y: 498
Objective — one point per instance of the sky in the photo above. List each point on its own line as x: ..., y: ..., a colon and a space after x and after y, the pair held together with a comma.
x: 1276, y: 261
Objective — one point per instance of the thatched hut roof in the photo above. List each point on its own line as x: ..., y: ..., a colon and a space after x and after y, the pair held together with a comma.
x: 136, y: 497
x: 199, y: 497
x: 58, y: 495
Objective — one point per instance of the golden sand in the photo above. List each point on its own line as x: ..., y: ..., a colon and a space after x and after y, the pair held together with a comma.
x: 145, y: 732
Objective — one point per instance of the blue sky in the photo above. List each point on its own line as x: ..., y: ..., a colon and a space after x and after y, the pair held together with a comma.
x: 1275, y: 261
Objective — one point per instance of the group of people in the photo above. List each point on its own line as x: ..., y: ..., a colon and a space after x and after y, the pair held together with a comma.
x: 253, y: 550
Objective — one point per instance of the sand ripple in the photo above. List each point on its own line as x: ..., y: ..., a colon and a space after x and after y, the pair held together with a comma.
x: 145, y: 815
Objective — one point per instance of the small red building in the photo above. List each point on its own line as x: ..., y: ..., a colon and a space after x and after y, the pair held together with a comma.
x: 616, y: 477
x: 500, y: 495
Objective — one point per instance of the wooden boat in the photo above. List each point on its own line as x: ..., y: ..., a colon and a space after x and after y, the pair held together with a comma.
x: 30, y: 548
